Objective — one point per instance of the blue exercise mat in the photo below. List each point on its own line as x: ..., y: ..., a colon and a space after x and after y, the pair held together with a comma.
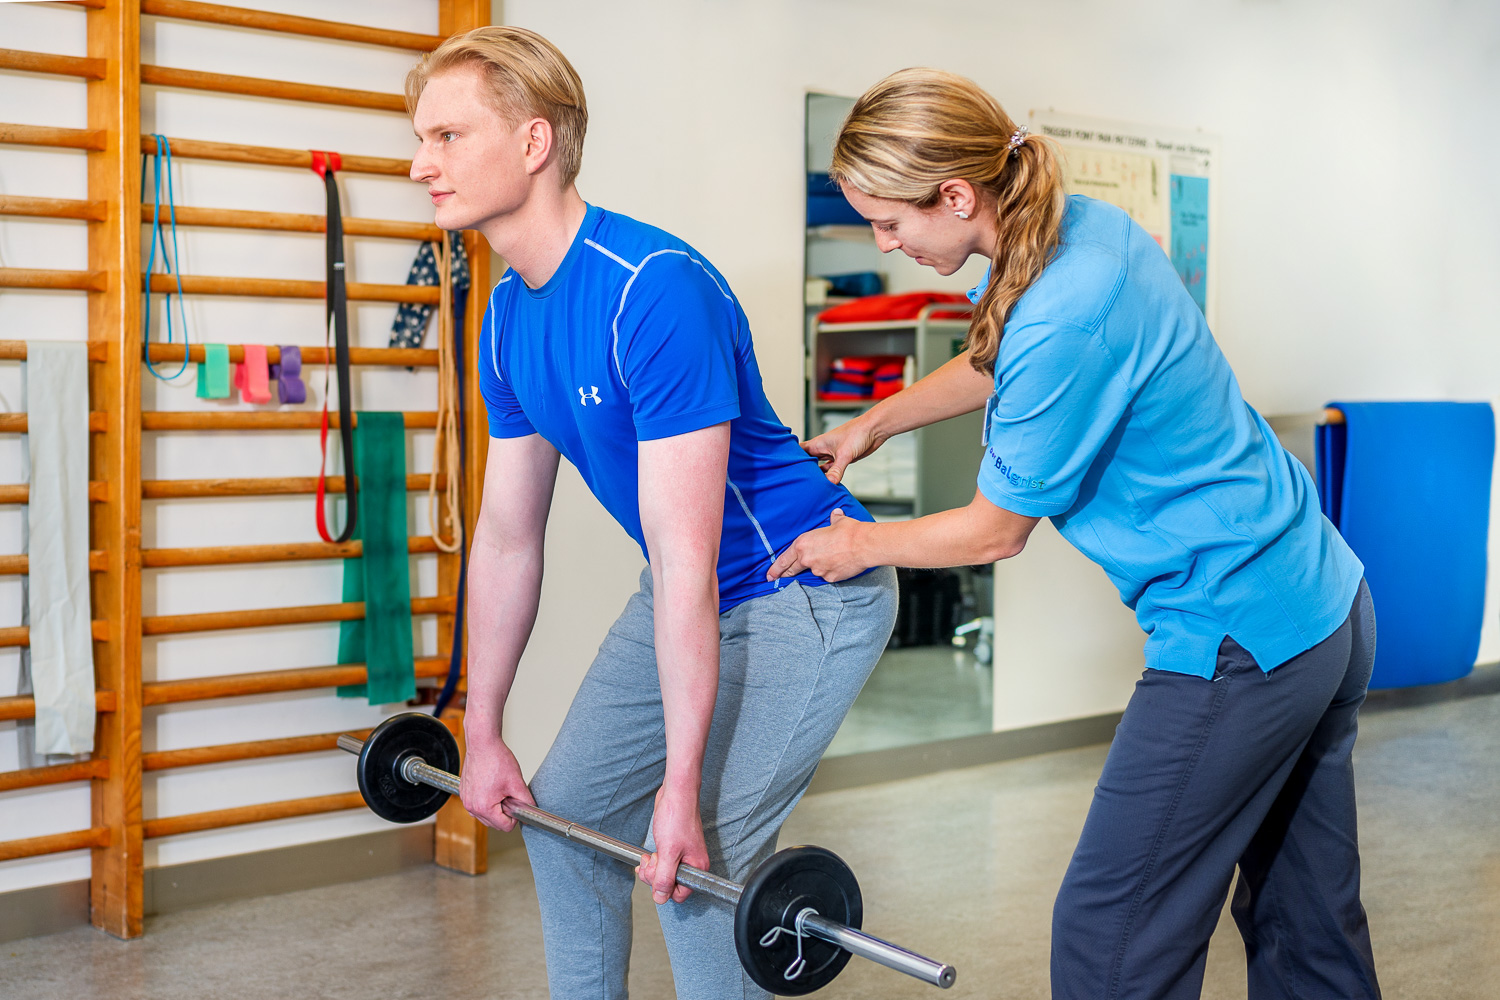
x: 1408, y: 486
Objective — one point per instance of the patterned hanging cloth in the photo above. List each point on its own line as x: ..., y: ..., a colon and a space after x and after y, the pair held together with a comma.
x: 410, y: 327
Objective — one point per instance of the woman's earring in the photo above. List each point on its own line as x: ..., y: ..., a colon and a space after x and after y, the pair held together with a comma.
x: 962, y: 215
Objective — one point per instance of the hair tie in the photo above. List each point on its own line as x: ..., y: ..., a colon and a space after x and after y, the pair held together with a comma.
x: 1017, y: 139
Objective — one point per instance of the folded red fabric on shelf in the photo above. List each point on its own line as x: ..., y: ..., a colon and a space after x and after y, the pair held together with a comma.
x: 863, y: 376
x: 907, y: 305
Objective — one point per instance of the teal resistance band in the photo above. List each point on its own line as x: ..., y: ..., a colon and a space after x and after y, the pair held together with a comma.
x: 163, y: 152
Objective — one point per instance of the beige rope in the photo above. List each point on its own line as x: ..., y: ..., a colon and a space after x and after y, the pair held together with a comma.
x: 446, y: 457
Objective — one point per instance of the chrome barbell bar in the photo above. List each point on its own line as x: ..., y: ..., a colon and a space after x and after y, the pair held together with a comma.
x: 853, y: 940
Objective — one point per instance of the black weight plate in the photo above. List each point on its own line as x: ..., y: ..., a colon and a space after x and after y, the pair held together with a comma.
x: 779, y: 889
x: 386, y: 792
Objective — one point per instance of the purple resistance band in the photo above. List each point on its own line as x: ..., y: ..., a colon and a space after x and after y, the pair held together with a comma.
x: 288, y: 375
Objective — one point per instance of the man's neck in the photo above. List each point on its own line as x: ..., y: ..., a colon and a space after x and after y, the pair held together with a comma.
x: 535, y: 238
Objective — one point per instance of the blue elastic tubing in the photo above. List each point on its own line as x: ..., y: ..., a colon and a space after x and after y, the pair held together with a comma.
x: 163, y: 153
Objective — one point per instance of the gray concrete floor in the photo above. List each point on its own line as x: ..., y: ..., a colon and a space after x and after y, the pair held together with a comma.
x: 918, y: 695
x: 962, y: 865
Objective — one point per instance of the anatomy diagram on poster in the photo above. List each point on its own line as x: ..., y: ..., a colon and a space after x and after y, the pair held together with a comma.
x: 1164, y: 179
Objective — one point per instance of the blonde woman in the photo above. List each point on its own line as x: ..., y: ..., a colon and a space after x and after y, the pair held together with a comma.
x: 1110, y: 409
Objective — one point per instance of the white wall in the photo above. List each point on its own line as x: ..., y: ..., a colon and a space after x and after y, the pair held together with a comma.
x: 1356, y: 234
x: 1356, y: 243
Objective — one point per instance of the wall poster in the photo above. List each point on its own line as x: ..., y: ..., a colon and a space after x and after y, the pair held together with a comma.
x: 1164, y: 178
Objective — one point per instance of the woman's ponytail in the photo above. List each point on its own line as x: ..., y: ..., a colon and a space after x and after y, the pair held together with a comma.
x: 1029, y: 212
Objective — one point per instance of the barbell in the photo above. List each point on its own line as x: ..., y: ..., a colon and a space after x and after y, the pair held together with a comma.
x: 796, y: 920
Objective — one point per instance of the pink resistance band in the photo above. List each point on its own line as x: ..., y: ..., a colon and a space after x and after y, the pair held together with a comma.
x: 252, y: 376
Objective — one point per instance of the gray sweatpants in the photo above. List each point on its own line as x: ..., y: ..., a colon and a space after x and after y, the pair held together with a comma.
x: 790, y: 665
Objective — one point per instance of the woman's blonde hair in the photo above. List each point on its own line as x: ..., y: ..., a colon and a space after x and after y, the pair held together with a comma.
x: 526, y: 77
x: 920, y: 127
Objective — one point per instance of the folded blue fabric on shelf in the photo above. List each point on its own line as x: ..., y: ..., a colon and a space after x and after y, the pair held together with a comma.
x: 826, y: 204
x: 1408, y: 486
x: 838, y: 388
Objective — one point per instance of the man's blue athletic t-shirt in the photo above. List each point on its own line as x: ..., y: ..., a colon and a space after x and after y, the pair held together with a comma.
x: 1116, y: 415
x: 637, y: 337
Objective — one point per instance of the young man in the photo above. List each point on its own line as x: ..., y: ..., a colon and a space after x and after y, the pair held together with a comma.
x: 714, y: 695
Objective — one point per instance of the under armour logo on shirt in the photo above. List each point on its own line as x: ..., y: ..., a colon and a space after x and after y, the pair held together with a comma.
x: 584, y: 397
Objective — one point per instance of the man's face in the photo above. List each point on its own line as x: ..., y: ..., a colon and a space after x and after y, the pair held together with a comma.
x: 473, y: 162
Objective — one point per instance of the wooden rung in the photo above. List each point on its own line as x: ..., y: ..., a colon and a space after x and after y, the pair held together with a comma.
x: 253, y: 420
x: 55, y: 844
x: 15, y: 350
x: 23, y: 706
x: 20, y: 635
x: 47, y: 62
x: 251, y: 86
x: 98, y: 563
x: 230, y: 218
x: 270, y: 156
x: 1331, y: 415
x: 282, y: 288
x: 16, y: 423
x: 35, y: 777
x: 230, y: 555
x: 31, y: 277
x: 193, y: 284
x: 396, y: 357
x: 220, y: 818
x: 239, y: 17
x: 21, y: 493
x: 214, y: 621
x: 52, y: 208
x: 162, y: 760
x: 178, y: 489
x: 267, y: 682
x: 65, y: 138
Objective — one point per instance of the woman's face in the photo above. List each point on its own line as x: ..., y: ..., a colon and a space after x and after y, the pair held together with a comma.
x: 936, y: 236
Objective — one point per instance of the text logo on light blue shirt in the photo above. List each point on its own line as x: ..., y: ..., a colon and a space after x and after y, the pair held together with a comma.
x: 1015, y: 478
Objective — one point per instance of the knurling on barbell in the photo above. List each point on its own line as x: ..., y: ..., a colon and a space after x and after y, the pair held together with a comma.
x: 797, y: 918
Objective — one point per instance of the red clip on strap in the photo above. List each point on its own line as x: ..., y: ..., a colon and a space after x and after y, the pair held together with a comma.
x: 323, y: 161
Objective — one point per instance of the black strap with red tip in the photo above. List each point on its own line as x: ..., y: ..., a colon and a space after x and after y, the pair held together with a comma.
x: 336, y: 316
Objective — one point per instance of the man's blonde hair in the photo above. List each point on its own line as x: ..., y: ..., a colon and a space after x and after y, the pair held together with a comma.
x: 526, y: 77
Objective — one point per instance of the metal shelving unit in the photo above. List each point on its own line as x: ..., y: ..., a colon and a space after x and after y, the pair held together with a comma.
x: 940, y: 449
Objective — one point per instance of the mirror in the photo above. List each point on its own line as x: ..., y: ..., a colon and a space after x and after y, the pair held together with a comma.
x: 934, y: 681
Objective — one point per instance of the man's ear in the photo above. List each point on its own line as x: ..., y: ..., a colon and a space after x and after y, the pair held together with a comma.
x: 537, y: 135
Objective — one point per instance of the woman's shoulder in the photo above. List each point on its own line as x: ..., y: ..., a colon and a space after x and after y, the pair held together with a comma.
x: 1104, y: 258
x: 1085, y: 274
x: 1095, y: 237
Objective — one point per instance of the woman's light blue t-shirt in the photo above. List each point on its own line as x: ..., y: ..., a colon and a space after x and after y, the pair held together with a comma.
x: 1116, y: 415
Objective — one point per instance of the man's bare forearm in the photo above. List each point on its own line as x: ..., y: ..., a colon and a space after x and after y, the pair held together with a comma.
x: 505, y: 575
x: 682, y: 515
x: 687, y: 644
x: 504, y: 589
